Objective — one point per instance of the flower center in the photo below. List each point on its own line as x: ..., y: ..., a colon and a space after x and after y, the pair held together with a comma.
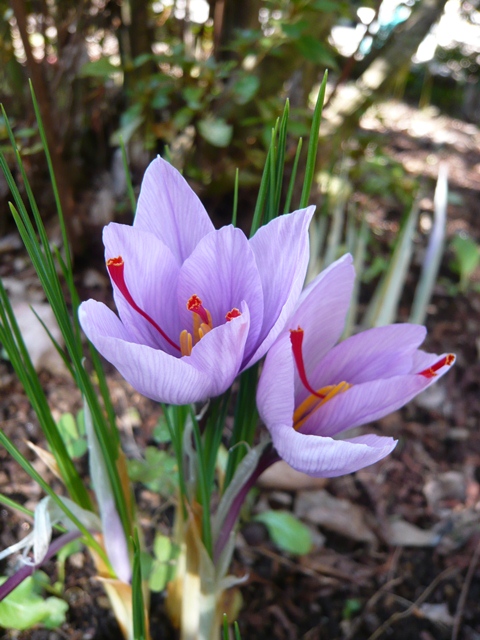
x: 316, y: 398
x: 202, y: 320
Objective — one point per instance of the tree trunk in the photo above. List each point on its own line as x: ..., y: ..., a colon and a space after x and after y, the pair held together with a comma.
x: 346, y: 108
x: 55, y: 147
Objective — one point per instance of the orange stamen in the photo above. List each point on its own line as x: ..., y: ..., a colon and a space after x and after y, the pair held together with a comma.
x: 185, y: 343
x: 312, y: 403
x: 116, y: 268
x: 431, y: 372
x: 203, y: 330
x: 316, y: 398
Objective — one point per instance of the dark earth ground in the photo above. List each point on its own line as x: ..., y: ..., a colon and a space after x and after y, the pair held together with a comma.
x: 397, y: 545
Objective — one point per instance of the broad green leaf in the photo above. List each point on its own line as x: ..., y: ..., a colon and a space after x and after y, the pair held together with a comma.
x: 163, y: 567
x: 313, y: 50
x: 73, y: 434
x: 245, y: 88
x: 286, y: 531
x: 216, y: 131
x: 158, y: 471
x: 101, y: 68
x: 295, y: 29
x: 25, y: 607
x: 467, y: 257
x: 325, y: 5
x: 160, y: 432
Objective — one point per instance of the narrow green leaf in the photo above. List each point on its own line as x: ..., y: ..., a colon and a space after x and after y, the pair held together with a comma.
x: 128, y: 177
x: 235, y: 200
x: 53, y: 179
x: 313, y: 144
x: 139, y: 626
x: 26, y: 466
x: 291, y: 184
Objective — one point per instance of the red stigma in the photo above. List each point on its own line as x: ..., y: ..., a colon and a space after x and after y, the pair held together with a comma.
x: 296, y: 338
x: 116, y: 268
x: 431, y: 372
x: 234, y: 313
x: 196, y: 305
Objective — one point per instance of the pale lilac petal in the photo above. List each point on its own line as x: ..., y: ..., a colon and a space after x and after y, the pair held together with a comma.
x: 160, y: 376
x: 382, y: 352
x: 170, y: 209
x: 96, y: 318
x: 365, y: 403
x: 322, y: 310
x: 275, y: 391
x: 281, y: 251
x: 151, y: 274
x: 326, y: 458
x: 222, y: 271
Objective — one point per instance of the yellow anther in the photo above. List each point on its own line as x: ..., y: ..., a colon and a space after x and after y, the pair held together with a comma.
x: 185, y: 343
x: 312, y: 403
x: 204, y: 328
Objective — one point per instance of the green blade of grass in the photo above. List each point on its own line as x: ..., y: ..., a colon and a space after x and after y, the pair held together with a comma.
x: 291, y: 184
x: 235, y: 200
x: 138, y: 606
x: 61, y: 219
x: 128, y: 178
x: 26, y: 466
x: 14, y: 345
x: 313, y: 144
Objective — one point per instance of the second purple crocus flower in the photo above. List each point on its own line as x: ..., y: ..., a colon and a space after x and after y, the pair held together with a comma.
x: 196, y: 305
x: 310, y: 390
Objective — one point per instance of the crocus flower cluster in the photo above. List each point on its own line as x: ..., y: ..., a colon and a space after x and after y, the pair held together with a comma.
x: 196, y: 305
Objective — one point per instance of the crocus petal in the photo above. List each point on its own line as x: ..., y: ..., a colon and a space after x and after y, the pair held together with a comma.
x: 275, y: 391
x: 366, y: 402
x: 326, y: 458
x: 163, y: 377
x: 281, y: 251
x: 151, y: 274
x: 170, y: 209
x: 322, y: 310
x: 222, y: 271
x: 381, y: 352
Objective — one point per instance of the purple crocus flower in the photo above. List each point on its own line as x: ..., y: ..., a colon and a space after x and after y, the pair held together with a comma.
x: 196, y: 305
x: 310, y: 391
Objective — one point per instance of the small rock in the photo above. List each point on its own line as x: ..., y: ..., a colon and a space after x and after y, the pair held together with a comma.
x: 281, y: 476
x: 335, y: 514
x: 41, y: 349
x: 403, y: 534
x: 451, y: 485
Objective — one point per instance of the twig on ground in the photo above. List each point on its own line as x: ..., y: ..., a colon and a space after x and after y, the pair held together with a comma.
x: 447, y: 573
x: 464, y: 592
